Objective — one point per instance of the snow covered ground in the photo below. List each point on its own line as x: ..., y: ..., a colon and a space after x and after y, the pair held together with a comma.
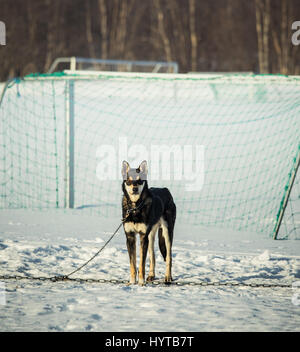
x: 49, y: 243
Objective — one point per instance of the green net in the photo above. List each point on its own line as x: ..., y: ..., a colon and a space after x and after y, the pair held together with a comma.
x: 225, y: 145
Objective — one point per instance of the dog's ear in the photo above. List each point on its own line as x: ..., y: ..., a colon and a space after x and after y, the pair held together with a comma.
x: 125, y: 169
x: 143, y: 167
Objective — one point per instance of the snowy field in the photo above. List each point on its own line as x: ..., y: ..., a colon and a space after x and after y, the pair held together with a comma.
x: 51, y: 243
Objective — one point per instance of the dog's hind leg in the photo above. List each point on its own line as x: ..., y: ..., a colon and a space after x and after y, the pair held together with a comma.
x: 162, y: 244
x: 151, y: 276
x: 168, y: 246
x: 131, y: 247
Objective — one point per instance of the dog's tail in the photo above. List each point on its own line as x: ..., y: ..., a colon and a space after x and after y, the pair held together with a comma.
x: 162, y: 244
x: 170, y: 217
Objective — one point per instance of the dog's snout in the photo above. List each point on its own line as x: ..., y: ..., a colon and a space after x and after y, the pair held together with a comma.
x: 135, y: 189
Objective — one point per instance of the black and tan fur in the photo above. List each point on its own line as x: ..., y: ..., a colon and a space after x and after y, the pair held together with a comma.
x: 150, y: 210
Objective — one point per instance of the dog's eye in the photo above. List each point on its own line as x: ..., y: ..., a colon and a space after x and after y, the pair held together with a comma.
x: 131, y: 182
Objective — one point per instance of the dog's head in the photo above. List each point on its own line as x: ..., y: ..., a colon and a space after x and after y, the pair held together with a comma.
x: 134, y: 180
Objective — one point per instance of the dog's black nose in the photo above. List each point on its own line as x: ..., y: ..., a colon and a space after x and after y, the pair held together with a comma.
x: 135, y: 189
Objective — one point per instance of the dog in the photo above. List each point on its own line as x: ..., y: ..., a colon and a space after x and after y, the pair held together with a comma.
x: 146, y: 210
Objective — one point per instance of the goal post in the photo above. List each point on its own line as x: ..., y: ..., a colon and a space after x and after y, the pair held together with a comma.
x: 69, y: 144
x: 287, y: 193
x: 115, y: 65
x: 224, y: 144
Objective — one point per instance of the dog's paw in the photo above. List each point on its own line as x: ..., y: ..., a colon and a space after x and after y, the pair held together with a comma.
x: 150, y: 278
x: 141, y: 282
x: 168, y: 279
x: 132, y: 281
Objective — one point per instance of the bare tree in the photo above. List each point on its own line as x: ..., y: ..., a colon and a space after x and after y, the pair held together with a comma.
x: 138, y: 27
x: 89, y: 32
x: 193, y: 34
x: 114, y: 27
x: 32, y: 14
x: 175, y: 31
x: 263, y: 15
x: 281, y: 40
x: 118, y: 34
x: 199, y: 35
x: 54, y: 35
x: 103, y: 28
x: 122, y: 28
x: 181, y: 43
x: 159, y: 10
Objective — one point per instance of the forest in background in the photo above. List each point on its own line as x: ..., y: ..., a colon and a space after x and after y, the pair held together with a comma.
x: 201, y: 35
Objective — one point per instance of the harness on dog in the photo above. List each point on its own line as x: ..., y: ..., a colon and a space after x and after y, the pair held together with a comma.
x: 134, y: 209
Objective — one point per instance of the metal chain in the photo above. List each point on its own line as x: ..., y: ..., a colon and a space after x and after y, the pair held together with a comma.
x: 67, y: 276
x: 64, y: 277
x: 153, y: 283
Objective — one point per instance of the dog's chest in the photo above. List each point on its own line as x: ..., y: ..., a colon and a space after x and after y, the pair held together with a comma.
x: 137, y: 227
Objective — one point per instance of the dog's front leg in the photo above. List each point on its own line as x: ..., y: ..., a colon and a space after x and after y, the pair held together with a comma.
x: 143, y: 255
x: 151, y: 275
x: 131, y: 247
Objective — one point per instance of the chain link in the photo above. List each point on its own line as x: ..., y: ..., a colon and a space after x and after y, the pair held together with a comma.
x: 153, y: 283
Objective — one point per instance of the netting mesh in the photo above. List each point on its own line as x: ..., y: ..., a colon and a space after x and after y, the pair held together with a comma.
x: 223, y: 145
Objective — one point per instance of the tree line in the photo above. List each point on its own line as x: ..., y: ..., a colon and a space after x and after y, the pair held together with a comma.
x: 201, y: 35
